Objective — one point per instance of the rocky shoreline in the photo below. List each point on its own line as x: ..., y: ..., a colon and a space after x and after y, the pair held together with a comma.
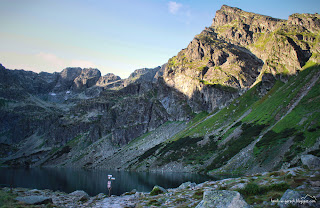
x: 269, y: 189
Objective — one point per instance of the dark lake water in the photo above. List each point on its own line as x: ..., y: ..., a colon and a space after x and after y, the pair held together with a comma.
x: 93, y: 181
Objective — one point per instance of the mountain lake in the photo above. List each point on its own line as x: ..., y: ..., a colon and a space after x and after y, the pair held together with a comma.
x: 94, y: 181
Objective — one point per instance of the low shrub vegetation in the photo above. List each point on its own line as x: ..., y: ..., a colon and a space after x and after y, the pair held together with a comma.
x: 153, y: 202
x: 155, y: 191
x: 185, y: 148
x: 149, y: 152
x: 254, y: 189
x: 198, y: 194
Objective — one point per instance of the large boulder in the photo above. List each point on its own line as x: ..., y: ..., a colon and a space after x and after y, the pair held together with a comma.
x: 222, y: 199
x: 35, y: 200
x: 80, y: 195
x: 311, y: 161
x: 157, y: 190
x: 187, y: 185
x: 289, y: 198
x: 297, y: 199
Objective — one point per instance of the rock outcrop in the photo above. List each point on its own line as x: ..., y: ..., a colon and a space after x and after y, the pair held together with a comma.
x: 16, y: 84
x: 66, y: 79
x: 34, y: 200
x: 221, y: 199
x: 210, y: 72
x: 290, y: 198
x: 158, y: 190
x: 283, y: 45
x: 311, y: 161
x: 109, y: 80
x: 143, y: 75
x: 80, y: 195
x: 87, y: 78
x: 237, y: 50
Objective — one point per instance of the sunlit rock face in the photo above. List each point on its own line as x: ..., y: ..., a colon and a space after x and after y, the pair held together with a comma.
x: 236, y: 51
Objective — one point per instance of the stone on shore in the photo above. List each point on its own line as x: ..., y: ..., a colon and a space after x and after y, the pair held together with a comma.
x: 35, y: 200
x: 187, y: 185
x: 157, y: 190
x: 80, y: 195
x: 222, y: 199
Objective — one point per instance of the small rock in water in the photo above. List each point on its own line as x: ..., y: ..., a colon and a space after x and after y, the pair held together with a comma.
x: 35, y: 200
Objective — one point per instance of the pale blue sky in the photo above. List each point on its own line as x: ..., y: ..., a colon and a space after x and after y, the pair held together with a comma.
x: 116, y: 36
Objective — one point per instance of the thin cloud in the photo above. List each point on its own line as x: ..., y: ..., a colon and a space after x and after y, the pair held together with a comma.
x: 174, y: 7
x: 182, y: 12
x: 41, y: 61
x: 82, y: 64
x: 51, y: 59
x: 60, y: 63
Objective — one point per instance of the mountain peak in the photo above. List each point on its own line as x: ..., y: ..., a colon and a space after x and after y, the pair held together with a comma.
x: 228, y: 14
x: 229, y: 8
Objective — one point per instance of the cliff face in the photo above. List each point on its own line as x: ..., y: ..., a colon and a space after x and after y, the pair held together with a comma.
x: 56, y: 108
x: 237, y: 50
x: 109, y: 81
x: 283, y: 45
x: 210, y: 71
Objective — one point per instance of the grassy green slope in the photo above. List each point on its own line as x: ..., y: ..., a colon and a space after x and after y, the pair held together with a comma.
x: 301, y: 125
x: 211, y: 140
x: 183, y: 147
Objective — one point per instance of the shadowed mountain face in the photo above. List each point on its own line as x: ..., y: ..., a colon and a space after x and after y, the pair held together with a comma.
x: 62, y: 105
x: 79, y: 118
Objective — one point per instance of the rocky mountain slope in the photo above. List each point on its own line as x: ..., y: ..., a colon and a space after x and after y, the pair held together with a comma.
x: 242, y: 97
x: 43, y: 112
x: 254, y: 133
x: 237, y: 50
